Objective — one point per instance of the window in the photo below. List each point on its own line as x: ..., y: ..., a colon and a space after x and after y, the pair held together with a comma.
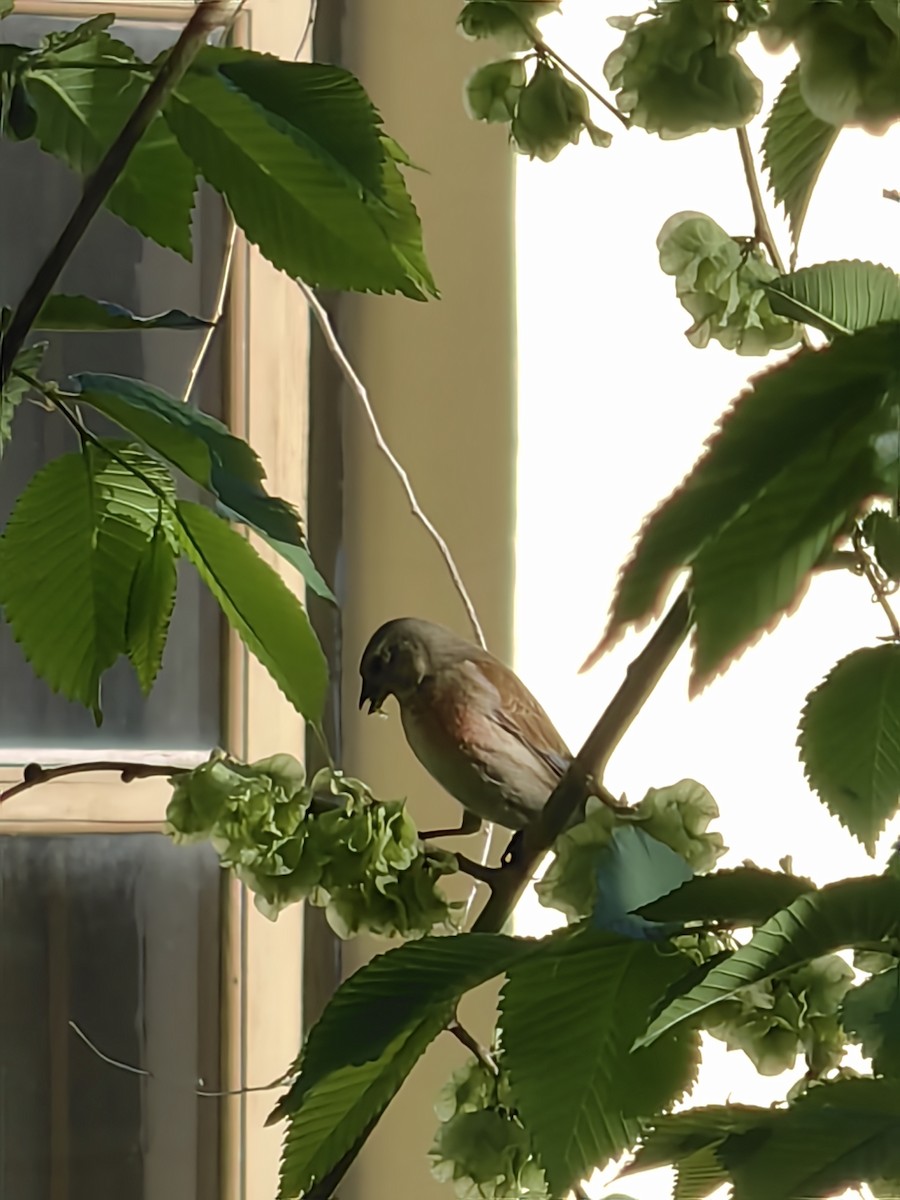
x: 155, y: 954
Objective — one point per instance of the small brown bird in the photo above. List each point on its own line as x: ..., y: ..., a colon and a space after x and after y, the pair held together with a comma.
x: 469, y: 720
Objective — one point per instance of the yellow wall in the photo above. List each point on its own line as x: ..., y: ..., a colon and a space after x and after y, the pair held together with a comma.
x: 441, y: 377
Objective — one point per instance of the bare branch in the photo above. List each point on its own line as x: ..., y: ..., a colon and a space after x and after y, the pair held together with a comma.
x: 359, y: 390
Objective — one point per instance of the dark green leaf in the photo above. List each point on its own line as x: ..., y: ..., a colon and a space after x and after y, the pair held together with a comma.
x: 391, y: 994
x: 882, y: 532
x: 871, y: 1015
x: 16, y: 388
x: 150, y: 604
x: 759, y: 566
x: 67, y: 561
x: 198, y: 445
x: 682, y: 1137
x: 82, y: 108
x: 740, y: 896
x: 326, y: 109
x: 837, y: 297
x: 67, y: 39
x: 795, y: 148
x: 340, y: 1108
x: 843, y: 914
x: 850, y: 740
x: 300, y: 558
x: 835, y: 391
x: 308, y: 218
x: 569, y: 1016
x: 835, y: 1137
x: 258, y: 605
x: 81, y: 313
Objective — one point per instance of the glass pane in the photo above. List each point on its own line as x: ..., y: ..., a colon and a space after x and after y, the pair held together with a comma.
x: 120, y: 934
x: 115, y: 263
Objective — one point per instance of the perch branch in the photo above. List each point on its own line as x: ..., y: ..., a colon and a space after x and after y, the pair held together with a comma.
x: 359, y: 390
x: 207, y: 16
x: 641, y: 678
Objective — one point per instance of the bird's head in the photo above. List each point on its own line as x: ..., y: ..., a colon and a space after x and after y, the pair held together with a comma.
x: 399, y: 656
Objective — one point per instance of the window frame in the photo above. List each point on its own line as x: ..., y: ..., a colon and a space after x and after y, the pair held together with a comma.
x: 266, y: 402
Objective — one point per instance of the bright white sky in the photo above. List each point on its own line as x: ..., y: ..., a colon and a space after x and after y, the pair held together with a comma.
x: 614, y: 406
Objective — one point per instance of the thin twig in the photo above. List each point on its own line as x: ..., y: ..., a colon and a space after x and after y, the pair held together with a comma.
x: 879, y: 594
x: 310, y: 25
x: 762, y: 229
x: 34, y: 775
x: 207, y: 16
x: 479, y: 871
x: 359, y: 390
x: 542, y: 48
x: 473, y: 1046
x: 131, y: 1069
x: 218, y: 313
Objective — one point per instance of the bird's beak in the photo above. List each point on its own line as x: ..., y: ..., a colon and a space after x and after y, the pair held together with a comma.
x: 375, y: 701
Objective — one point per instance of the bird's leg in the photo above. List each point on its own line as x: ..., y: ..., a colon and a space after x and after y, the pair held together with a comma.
x: 470, y: 823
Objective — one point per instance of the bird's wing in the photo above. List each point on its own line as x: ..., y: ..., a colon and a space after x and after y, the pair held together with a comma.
x: 520, y: 715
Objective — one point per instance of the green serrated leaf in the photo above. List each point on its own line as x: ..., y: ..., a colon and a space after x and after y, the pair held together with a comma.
x: 674, y: 1139
x: 67, y: 561
x: 569, y: 1015
x: 325, y: 107
x: 150, y: 604
x: 258, y: 605
x: 850, y: 740
x: 67, y: 39
x: 392, y: 993
x: 838, y: 297
x: 766, y: 432
x: 871, y: 1015
x: 759, y: 567
x: 882, y: 532
x: 795, y: 148
x: 739, y: 896
x: 82, y: 108
x: 837, y: 1136
x: 199, y: 445
x: 342, y: 1107
x: 16, y: 388
x: 303, y: 214
x: 840, y: 915
x: 300, y: 558
x: 84, y: 314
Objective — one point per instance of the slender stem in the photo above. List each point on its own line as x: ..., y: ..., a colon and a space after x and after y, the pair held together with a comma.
x: 479, y: 871
x: 34, y: 775
x: 474, y: 1047
x: 641, y: 678
x: 359, y: 390
x: 879, y: 593
x: 217, y: 314
x: 207, y: 16
x: 762, y: 229
x: 542, y: 48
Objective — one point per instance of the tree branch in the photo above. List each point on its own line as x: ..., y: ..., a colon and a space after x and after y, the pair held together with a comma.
x: 359, y: 390
x: 207, y: 16
x: 473, y: 1046
x: 762, y: 230
x: 34, y: 774
x: 588, y: 765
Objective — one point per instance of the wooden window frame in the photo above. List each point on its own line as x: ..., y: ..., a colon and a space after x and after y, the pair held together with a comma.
x: 267, y: 403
